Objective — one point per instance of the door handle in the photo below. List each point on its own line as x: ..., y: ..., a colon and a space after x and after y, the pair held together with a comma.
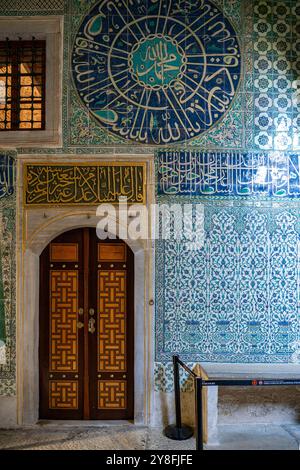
x: 92, y: 322
x: 80, y: 325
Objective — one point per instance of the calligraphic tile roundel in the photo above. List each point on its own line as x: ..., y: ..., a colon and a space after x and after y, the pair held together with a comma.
x: 156, y: 71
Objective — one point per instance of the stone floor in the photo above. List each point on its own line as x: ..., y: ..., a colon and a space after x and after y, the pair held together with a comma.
x: 130, y: 437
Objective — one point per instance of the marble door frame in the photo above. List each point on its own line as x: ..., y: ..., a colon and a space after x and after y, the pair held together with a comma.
x: 36, y: 228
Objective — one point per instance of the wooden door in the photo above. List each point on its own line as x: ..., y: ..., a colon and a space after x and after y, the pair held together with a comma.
x: 86, y: 328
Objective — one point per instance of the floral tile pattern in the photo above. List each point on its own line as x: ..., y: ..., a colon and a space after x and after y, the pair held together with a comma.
x: 7, y: 274
x: 237, y: 298
x: 276, y: 75
x: 164, y: 381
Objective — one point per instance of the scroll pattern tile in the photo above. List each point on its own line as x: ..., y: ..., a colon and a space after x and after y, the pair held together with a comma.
x: 237, y: 298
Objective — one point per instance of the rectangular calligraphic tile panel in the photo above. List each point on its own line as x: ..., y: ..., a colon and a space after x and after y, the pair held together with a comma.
x: 228, y: 174
x: 63, y: 321
x: 7, y: 273
x: 85, y: 184
x: 236, y: 297
x: 112, y: 321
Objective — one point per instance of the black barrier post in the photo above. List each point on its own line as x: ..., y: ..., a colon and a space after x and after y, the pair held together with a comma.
x: 178, y: 431
x: 177, y: 391
x: 199, y: 413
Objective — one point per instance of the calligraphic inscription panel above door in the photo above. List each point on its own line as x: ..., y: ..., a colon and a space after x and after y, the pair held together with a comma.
x: 81, y: 184
x: 86, y: 328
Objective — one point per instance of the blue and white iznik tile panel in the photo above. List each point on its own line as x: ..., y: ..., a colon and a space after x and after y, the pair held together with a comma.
x: 262, y: 114
x: 237, y: 298
x: 276, y: 71
x: 250, y: 175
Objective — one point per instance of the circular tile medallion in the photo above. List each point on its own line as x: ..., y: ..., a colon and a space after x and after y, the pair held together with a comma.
x: 156, y: 71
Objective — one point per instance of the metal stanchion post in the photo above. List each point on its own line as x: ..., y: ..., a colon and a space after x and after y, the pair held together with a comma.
x: 198, y: 413
x: 178, y: 431
x: 177, y: 392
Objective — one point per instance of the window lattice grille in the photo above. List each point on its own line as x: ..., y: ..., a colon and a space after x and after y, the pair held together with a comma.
x: 33, y: 5
x: 22, y: 85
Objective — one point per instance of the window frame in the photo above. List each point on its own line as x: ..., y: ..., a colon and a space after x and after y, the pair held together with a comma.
x: 49, y: 29
x: 16, y: 87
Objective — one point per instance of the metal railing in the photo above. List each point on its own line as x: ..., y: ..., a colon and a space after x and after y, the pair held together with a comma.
x: 180, y: 431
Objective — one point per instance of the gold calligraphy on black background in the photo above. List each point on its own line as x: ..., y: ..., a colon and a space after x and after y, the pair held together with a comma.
x: 85, y: 184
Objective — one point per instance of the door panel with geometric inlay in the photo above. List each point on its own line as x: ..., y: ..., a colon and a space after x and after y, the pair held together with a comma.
x: 86, y: 328
x: 112, y: 343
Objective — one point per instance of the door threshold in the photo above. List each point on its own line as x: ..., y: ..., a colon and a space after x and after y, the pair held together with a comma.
x: 83, y: 423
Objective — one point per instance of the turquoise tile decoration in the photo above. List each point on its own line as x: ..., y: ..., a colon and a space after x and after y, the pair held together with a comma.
x: 2, y: 313
x: 7, y: 274
x: 236, y: 299
x: 276, y: 75
x: 155, y: 127
x: 264, y: 114
x: 7, y: 176
x: 164, y: 379
x: 216, y: 174
x: 156, y: 72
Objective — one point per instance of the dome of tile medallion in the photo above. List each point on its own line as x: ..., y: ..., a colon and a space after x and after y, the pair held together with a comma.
x: 156, y: 72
